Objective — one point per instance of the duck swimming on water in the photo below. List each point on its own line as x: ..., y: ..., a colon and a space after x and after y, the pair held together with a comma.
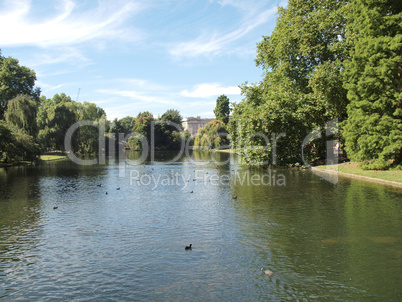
x: 188, y: 247
x: 267, y: 272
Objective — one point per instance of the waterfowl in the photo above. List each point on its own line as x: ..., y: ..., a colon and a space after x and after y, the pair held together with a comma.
x: 269, y: 223
x: 234, y: 197
x: 188, y: 247
x: 267, y: 272
x: 99, y: 185
x: 118, y: 188
x: 192, y: 192
x: 55, y: 207
x: 106, y: 193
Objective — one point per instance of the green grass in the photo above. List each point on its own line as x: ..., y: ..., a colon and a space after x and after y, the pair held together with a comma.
x: 353, y: 168
x: 52, y: 157
x: 224, y: 150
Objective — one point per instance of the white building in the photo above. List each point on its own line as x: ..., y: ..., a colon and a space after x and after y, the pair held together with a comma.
x: 192, y: 124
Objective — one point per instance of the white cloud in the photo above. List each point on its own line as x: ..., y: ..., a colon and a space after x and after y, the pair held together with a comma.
x: 210, y: 89
x: 68, y: 27
x: 60, y: 55
x: 213, y: 44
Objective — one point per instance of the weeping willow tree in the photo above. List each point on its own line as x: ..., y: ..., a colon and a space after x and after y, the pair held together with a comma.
x: 21, y: 114
x: 213, y: 136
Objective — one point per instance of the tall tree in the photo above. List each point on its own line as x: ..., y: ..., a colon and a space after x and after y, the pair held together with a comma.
x: 14, y: 80
x: 172, y: 115
x: 55, y: 117
x: 222, y: 109
x: 212, y: 136
x: 127, y: 123
x: 373, y: 130
x: 21, y: 114
x: 167, y: 130
x: 302, y: 86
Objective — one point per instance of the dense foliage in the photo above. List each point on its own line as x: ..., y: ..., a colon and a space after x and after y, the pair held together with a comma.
x: 57, y: 115
x: 213, y: 136
x: 15, y: 80
x: 322, y: 55
x: 30, y: 125
x: 222, y: 109
x: 373, y: 130
x: 165, y: 133
x: 302, y: 85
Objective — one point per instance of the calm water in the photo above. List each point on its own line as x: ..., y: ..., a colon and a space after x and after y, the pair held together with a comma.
x: 322, y: 241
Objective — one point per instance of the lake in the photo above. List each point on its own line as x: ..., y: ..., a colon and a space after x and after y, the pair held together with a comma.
x: 120, y: 230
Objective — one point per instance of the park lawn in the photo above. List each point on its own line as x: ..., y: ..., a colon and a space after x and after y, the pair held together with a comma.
x: 52, y: 157
x: 353, y: 168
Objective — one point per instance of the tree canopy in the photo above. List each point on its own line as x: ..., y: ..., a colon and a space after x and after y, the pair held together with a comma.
x: 302, y: 87
x: 222, y: 109
x: 15, y: 80
x: 213, y: 136
x: 373, y: 130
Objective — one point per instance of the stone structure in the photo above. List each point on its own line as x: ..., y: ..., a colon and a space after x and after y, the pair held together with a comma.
x: 192, y: 124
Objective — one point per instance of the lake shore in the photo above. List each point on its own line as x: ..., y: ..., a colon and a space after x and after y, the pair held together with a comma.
x: 352, y: 170
x: 52, y: 157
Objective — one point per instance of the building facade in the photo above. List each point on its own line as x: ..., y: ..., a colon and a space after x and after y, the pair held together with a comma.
x: 192, y: 124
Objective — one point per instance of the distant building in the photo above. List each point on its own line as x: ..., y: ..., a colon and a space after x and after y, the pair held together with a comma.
x: 192, y: 124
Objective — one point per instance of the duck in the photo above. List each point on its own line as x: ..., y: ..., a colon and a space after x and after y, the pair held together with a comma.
x: 192, y: 192
x: 267, y: 272
x: 118, y: 188
x: 99, y: 185
x: 55, y: 207
x: 188, y: 247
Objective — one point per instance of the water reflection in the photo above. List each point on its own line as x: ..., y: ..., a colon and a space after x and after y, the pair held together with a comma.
x: 322, y: 241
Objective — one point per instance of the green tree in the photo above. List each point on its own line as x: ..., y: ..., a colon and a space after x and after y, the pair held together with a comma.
x: 55, y: 117
x: 17, y: 145
x: 213, y: 136
x: 222, y: 109
x: 302, y: 86
x: 373, y: 130
x: 142, y: 127
x: 7, y: 140
x: 173, y: 116
x: 127, y: 123
x: 168, y: 131
x: 21, y: 114
x: 14, y: 80
x: 87, y: 137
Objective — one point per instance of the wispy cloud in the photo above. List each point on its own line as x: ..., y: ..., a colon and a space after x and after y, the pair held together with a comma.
x: 140, y: 90
x: 215, y: 43
x: 67, y: 27
x: 60, y: 55
x: 210, y: 89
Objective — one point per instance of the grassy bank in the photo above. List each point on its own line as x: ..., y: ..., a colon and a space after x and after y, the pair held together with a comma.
x: 52, y: 157
x: 353, y: 168
x: 224, y: 150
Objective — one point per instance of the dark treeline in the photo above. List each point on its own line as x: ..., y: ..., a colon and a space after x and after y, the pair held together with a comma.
x: 165, y: 132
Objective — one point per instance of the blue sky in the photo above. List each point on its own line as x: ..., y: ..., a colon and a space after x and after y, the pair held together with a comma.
x: 136, y: 55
